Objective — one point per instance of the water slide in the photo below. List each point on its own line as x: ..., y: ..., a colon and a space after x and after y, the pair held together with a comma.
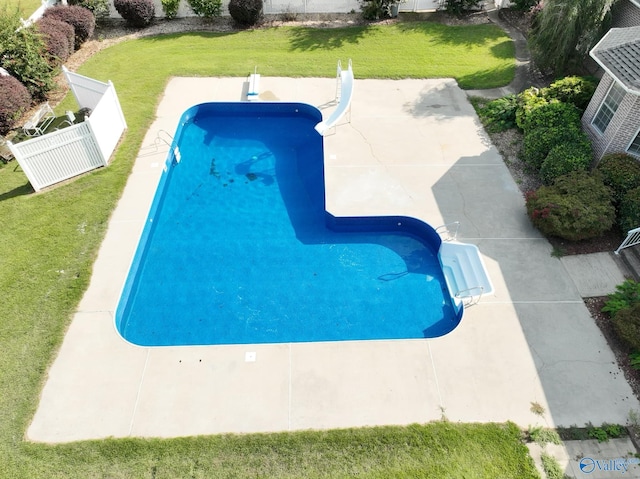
x: 346, y: 92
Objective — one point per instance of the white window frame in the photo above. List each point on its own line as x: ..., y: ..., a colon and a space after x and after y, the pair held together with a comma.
x: 609, y: 108
x: 636, y: 137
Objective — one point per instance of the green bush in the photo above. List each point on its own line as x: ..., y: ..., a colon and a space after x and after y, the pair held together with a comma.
x: 499, y: 115
x: 376, y: 9
x: 206, y: 8
x: 458, y: 7
x: 245, y: 12
x: 575, y: 90
x: 538, y: 143
x: 24, y: 55
x: 524, y: 5
x: 99, y: 8
x: 565, y: 158
x: 576, y: 207
x: 170, y: 8
x: 626, y: 324
x: 528, y: 100
x: 629, y: 211
x: 621, y: 172
x: 552, y: 114
x: 626, y: 295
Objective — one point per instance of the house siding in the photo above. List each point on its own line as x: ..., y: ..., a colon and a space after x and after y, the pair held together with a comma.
x: 625, y: 14
x: 623, y: 126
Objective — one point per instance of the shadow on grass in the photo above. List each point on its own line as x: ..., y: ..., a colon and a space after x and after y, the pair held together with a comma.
x: 309, y: 39
x: 22, y: 190
x: 468, y: 35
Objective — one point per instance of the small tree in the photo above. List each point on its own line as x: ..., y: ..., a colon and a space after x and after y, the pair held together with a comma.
x: 170, y: 8
x: 137, y: 13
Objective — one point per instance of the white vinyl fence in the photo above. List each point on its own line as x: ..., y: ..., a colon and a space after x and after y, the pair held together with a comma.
x: 272, y: 7
x: 71, y: 151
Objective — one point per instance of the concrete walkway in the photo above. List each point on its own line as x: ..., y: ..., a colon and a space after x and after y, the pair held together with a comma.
x: 413, y: 147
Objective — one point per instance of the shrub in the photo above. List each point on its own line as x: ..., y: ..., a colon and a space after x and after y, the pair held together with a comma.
x: 565, y: 158
x: 206, y: 8
x: 14, y: 101
x: 538, y: 143
x: 458, y: 7
x: 528, y: 100
x: 56, y: 42
x: 376, y: 9
x: 524, y: 5
x: 137, y: 13
x: 626, y: 324
x: 170, y: 8
x: 99, y: 8
x: 576, y: 207
x: 575, y: 90
x: 626, y: 295
x: 621, y: 172
x: 245, y: 12
x: 499, y: 115
x: 552, y: 114
x: 629, y: 211
x: 80, y: 18
x: 24, y: 56
x: 66, y: 29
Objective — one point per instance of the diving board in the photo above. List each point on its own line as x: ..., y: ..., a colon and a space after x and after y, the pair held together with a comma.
x: 346, y: 92
x: 254, y: 85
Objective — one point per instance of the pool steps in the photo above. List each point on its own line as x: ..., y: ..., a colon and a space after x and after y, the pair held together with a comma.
x: 464, y: 272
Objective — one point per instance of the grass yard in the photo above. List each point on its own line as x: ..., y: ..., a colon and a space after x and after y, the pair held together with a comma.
x: 50, y: 241
x: 25, y: 7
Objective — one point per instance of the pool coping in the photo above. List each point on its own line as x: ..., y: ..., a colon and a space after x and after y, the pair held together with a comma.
x: 413, y: 148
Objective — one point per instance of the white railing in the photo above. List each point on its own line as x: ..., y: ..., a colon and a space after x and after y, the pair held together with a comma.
x: 71, y: 151
x: 632, y: 239
x: 448, y: 231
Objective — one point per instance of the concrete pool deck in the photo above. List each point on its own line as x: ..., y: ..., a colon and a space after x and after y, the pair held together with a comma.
x: 413, y: 147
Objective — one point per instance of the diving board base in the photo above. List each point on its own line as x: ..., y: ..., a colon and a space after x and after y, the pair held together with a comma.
x: 253, y: 91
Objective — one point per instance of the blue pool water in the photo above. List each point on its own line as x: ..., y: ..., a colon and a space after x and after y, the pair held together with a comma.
x: 238, y: 247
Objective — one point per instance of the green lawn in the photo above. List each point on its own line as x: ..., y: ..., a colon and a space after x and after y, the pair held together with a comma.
x: 49, y: 242
x: 25, y: 7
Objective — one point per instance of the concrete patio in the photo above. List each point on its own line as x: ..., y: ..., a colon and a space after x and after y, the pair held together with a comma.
x: 415, y: 148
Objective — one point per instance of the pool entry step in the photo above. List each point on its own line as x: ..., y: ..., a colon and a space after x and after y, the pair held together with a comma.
x: 465, y: 272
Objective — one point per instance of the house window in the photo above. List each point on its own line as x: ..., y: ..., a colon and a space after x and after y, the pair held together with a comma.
x: 634, y: 147
x: 608, y: 107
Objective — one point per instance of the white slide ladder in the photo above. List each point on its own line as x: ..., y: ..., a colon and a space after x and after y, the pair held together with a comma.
x: 344, y: 101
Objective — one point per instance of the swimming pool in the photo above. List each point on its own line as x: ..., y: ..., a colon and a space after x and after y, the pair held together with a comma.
x: 238, y: 247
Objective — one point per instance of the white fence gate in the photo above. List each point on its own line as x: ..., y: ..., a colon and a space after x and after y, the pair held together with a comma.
x: 71, y: 151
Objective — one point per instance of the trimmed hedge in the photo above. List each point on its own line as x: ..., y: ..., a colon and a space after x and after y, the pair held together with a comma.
x: 553, y: 114
x: 137, y: 13
x: 621, y: 172
x: 80, y: 18
x: 565, y: 158
x: 56, y: 40
x: 65, y: 28
x: 245, y: 12
x: 14, y: 101
x: 577, y: 206
x: 538, y: 143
